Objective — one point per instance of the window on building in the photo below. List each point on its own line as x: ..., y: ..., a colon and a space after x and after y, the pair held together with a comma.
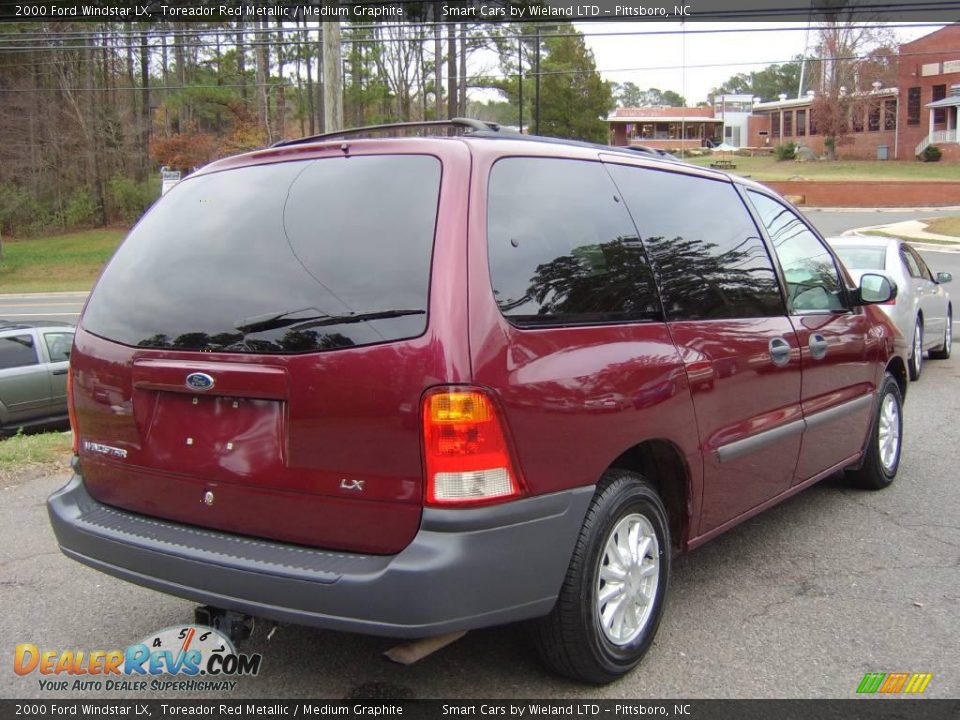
x: 913, y: 106
x: 801, y: 123
x: 873, y: 117
x: 856, y: 119
x: 939, y: 93
x: 788, y: 124
x: 889, y: 114
x: 775, y: 124
x: 813, y: 123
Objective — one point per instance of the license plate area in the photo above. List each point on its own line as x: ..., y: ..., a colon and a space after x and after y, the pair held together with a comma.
x: 220, y: 438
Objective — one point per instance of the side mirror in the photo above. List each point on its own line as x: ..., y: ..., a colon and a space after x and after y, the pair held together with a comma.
x: 944, y: 277
x: 876, y: 289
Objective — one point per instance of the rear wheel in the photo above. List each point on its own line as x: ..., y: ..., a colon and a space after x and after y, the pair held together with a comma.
x: 611, y: 601
x: 915, y: 364
x: 943, y: 352
x: 882, y: 457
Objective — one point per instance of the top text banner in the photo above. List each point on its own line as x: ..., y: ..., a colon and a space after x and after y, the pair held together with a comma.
x: 481, y: 10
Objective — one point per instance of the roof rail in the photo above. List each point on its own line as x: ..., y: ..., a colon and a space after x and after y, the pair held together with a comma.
x: 466, y: 123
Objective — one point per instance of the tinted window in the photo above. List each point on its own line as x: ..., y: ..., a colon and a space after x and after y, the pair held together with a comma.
x: 562, y: 248
x: 287, y: 257
x: 863, y: 258
x: 17, y: 351
x: 58, y: 346
x: 925, y: 271
x: 813, y: 282
x: 703, y: 244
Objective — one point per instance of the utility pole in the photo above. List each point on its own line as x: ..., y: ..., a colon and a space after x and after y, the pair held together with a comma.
x: 520, y: 78
x: 332, y: 77
x: 536, y: 86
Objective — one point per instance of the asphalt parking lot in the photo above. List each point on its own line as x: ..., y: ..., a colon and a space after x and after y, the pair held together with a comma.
x: 798, y: 602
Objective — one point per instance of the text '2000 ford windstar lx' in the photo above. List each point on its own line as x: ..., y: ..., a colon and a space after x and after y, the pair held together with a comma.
x: 412, y: 385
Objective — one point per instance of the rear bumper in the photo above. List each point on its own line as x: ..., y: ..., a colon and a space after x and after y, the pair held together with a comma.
x: 464, y: 569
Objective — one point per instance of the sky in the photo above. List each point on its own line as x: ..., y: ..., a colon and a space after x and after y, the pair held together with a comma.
x: 621, y: 58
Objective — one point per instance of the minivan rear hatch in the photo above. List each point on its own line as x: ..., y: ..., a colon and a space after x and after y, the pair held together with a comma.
x: 253, y: 357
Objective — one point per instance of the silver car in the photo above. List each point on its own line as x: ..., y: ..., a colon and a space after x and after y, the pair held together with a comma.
x: 34, y: 358
x: 922, y: 310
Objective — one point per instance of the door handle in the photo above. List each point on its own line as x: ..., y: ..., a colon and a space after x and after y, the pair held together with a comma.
x: 62, y: 371
x: 779, y: 351
x: 818, y: 347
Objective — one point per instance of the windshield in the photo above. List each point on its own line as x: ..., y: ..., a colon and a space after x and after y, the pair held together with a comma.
x: 862, y: 258
x: 282, y: 258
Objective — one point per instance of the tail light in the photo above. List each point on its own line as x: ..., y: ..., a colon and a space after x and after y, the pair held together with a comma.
x: 72, y: 412
x: 468, y: 460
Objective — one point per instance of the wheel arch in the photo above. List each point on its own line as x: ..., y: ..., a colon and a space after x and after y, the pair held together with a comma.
x: 898, y: 369
x: 662, y: 463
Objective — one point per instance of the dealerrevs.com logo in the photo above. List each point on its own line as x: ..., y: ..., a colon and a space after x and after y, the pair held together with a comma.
x: 200, y: 658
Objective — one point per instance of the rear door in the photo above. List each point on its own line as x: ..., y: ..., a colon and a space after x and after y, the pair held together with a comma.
x: 57, y: 345
x: 726, y: 315
x: 24, y: 381
x: 838, y: 357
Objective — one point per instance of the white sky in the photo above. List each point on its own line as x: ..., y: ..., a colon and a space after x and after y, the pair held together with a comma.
x: 621, y: 58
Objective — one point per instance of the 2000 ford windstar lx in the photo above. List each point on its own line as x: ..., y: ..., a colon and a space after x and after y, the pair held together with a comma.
x: 406, y: 386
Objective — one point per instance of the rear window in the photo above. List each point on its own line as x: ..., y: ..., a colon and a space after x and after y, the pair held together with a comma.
x: 282, y: 258
x: 863, y: 258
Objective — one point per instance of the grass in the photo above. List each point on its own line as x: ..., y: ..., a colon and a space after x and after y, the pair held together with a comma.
x: 49, y: 450
x: 944, y: 226
x: 59, y: 263
x: 769, y: 168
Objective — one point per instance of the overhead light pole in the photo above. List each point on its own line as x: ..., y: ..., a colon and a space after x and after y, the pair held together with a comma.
x: 536, y: 87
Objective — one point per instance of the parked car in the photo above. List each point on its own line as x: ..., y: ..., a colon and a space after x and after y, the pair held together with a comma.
x: 33, y: 373
x: 414, y: 386
x: 922, y: 309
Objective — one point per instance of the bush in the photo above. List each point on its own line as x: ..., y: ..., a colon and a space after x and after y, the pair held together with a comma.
x: 130, y: 199
x: 80, y: 210
x: 931, y: 153
x: 787, y: 151
x: 22, y: 213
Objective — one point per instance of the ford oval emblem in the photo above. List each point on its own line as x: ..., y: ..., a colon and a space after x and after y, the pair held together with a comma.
x: 199, y: 381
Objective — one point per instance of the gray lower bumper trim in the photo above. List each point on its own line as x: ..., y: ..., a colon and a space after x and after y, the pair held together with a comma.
x: 465, y: 568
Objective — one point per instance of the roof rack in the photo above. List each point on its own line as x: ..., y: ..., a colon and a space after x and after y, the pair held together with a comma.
x: 464, y: 123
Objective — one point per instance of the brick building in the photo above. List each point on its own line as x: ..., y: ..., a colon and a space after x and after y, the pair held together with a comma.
x: 894, y: 122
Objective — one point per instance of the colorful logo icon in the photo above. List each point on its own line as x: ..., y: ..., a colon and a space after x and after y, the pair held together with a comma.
x: 894, y: 683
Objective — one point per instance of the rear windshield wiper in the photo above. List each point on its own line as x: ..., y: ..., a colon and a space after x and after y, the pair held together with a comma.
x: 282, y: 320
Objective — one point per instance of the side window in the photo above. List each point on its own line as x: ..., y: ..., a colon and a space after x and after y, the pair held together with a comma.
x: 17, y: 351
x: 813, y: 281
x: 58, y: 346
x: 703, y: 244
x: 925, y: 272
x: 913, y: 267
x: 562, y: 247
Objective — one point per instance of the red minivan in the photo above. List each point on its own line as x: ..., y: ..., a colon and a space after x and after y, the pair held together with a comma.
x: 412, y: 385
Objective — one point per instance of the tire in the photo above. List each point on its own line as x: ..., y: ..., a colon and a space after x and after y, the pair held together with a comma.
x: 573, y: 640
x: 882, y: 457
x: 943, y: 352
x: 915, y: 363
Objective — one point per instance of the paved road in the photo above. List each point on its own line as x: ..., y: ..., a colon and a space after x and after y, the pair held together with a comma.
x: 64, y: 307
x: 798, y: 602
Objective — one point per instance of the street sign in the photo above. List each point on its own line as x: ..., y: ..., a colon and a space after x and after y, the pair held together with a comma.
x: 170, y: 178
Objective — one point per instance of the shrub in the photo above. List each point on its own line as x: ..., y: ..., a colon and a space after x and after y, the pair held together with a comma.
x: 22, y: 213
x: 787, y: 151
x: 931, y: 153
x: 129, y: 199
x: 80, y: 210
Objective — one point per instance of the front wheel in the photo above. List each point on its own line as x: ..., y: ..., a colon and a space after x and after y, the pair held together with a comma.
x: 611, y: 601
x: 915, y: 363
x: 882, y: 457
x: 943, y: 352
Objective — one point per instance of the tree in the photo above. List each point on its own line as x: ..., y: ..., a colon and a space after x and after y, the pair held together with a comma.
x: 852, y: 56
x: 629, y: 95
x: 765, y: 84
x: 574, y: 98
